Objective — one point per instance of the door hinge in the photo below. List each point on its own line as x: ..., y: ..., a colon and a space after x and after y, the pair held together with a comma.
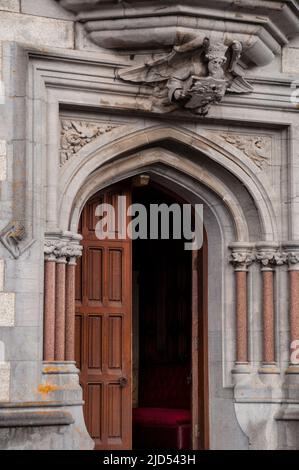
x: 196, y: 430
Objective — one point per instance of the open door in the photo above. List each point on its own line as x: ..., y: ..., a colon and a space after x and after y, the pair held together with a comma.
x: 103, y: 328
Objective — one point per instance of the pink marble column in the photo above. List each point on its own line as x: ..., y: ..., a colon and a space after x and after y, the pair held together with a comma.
x: 241, y: 313
x: 60, y: 310
x: 70, y: 311
x: 241, y: 258
x: 49, y: 310
x: 268, y: 317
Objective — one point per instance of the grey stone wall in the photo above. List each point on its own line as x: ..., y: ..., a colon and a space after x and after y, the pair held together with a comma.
x: 240, y: 160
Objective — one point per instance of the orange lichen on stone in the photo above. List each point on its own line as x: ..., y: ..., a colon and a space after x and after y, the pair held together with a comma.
x: 46, y: 388
x: 52, y: 369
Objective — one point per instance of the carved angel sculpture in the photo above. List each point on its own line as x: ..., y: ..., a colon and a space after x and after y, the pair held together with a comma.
x: 194, y: 75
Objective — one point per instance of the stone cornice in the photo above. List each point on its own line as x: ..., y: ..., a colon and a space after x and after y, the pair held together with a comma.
x: 262, y: 27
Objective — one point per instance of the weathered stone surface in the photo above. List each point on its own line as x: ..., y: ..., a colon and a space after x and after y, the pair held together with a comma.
x: 7, y: 309
x: 4, y: 381
x: 1, y: 275
x: 36, y: 31
x: 10, y: 5
x: 3, y: 160
x: 240, y: 162
x: 119, y: 26
x: 47, y: 8
x: 290, y: 60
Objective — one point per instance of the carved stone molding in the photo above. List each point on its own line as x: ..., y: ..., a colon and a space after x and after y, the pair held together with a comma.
x: 192, y: 76
x: 75, y: 134
x: 268, y: 254
x: 256, y: 147
x: 63, y: 247
x: 154, y: 24
x: 11, y: 237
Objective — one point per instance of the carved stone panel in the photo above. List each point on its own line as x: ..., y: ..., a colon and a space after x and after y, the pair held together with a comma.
x: 75, y: 134
x: 256, y: 147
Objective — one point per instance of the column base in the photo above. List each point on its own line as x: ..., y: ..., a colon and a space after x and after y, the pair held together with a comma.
x: 269, y: 368
x: 242, y: 368
x: 293, y: 369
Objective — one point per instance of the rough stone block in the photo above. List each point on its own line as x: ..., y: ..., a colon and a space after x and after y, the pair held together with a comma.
x: 290, y: 60
x: 48, y: 8
x: 1, y: 275
x: 3, y: 160
x: 36, y: 31
x: 4, y: 381
x: 7, y: 309
x: 10, y: 5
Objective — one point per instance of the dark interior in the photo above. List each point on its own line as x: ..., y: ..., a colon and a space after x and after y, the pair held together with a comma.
x: 162, y: 269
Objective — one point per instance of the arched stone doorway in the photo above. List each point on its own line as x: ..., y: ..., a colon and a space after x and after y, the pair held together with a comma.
x: 199, y: 170
x: 141, y: 331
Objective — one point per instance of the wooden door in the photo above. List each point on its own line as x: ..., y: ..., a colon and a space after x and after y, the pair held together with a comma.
x: 103, y: 328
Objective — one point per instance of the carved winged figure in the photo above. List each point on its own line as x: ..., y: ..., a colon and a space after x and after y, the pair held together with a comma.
x: 194, y: 75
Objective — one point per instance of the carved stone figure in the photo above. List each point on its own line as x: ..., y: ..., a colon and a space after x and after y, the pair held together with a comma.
x: 194, y: 76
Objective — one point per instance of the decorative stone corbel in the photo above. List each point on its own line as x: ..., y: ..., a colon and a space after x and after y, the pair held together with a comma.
x: 11, y: 237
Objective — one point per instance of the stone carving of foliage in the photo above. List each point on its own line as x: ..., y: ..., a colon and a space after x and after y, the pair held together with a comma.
x: 257, y: 148
x: 76, y: 134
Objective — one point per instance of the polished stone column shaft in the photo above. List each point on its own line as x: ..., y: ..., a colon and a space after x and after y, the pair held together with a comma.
x: 60, y: 311
x: 241, y: 314
x: 268, y: 316
x: 49, y: 310
x: 70, y: 311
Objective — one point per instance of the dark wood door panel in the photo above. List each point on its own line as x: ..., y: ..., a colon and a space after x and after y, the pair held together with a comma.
x: 103, y: 330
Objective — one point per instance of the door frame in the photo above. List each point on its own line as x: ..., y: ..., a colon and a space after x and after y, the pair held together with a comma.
x: 200, y: 352
x: 199, y: 314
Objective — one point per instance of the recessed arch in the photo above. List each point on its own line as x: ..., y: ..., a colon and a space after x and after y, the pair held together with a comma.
x: 129, y: 141
x: 149, y: 160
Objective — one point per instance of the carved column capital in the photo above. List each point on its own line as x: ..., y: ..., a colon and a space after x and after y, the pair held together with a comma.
x: 269, y: 255
x: 242, y: 255
x: 63, y: 247
x: 291, y: 250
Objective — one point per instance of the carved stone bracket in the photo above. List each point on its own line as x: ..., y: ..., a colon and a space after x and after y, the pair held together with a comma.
x: 193, y: 76
x: 76, y: 134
